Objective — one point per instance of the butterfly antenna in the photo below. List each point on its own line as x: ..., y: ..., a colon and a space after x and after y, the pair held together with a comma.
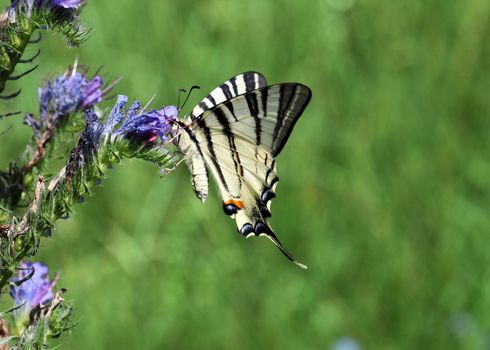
x: 180, y: 91
x: 194, y: 87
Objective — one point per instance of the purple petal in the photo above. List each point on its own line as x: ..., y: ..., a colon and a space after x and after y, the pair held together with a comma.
x: 171, y: 112
x: 91, y: 100
x: 69, y: 93
x: 94, y: 85
x: 115, y: 117
x: 38, y: 289
x: 67, y: 4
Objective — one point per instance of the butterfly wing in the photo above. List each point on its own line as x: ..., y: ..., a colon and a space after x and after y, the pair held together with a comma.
x: 186, y: 140
x: 238, y: 140
x: 237, y: 85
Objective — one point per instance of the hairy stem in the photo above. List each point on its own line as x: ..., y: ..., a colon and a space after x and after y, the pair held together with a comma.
x: 14, y: 51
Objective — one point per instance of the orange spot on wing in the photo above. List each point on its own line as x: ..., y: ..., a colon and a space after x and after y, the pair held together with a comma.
x: 238, y: 204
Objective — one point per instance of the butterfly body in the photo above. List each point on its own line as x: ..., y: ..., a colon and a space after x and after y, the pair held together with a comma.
x: 236, y: 132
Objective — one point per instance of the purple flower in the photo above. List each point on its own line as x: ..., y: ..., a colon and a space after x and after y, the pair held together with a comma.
x: 38, y: 289
x: 37, y: 4
x: 27, y: 7
x: 75, y: 92
x: 93, y: 93
x: 134, y: 123
x: 140, y: 127
x: 71, y: 92
x: 67, y: 4
x: 45, y: 96
x: 148, y: 126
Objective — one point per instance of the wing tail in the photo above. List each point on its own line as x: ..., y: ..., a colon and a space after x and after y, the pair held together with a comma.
x: 283, y: 250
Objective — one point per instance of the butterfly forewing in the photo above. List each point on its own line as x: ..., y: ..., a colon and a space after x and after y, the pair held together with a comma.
x: 236, y: 131
x: 238, y: 85
x: 265, y: 117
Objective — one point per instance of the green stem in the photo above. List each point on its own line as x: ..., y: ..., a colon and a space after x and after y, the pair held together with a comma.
x: 14, y: 51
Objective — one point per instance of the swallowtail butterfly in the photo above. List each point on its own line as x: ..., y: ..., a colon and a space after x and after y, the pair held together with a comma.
x: 236, y: 132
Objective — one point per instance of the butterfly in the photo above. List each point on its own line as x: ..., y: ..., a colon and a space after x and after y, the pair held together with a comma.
x: 236, y: 132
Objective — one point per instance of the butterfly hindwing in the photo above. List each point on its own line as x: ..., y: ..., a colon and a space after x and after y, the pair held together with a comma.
x: 237, y: 133
x: 193, y: 155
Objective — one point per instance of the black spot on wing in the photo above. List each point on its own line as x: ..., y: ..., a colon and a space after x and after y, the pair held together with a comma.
x: 267, y: 195
x: 246, y: 229
x: 265, y: 212
x: 230, y: 209
x: 261, y: 227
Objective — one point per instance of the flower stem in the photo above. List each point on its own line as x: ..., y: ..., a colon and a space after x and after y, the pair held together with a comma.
x: 14, y: 50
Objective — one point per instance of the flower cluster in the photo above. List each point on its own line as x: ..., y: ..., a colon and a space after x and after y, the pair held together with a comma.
x: 32, y: 286
x: 131, y: 123
x: 70, y: 92
x: 59, y: 10
x: 128, y: 132
x: 29, y: 5
x: 40, y: 313
x: 148, y: 126
x: 67, y: 4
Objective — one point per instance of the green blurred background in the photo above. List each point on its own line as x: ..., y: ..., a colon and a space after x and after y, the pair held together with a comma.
x: 384, y: 191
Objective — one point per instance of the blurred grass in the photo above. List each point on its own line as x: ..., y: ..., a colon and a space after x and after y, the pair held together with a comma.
x: 384, y: 189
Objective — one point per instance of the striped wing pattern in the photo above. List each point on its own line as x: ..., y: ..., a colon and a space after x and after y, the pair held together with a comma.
x: 236, y: 132
x: 235, y: 86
